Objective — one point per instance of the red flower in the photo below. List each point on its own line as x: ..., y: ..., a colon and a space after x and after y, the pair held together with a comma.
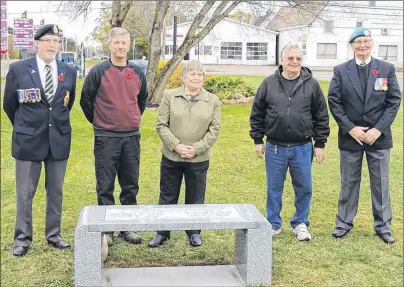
x: 375, y: 72
x: 129, y: 75
x: 61, y: 78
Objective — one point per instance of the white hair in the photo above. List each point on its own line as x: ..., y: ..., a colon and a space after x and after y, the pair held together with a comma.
x: 193, y: 65
x: 289, y: 47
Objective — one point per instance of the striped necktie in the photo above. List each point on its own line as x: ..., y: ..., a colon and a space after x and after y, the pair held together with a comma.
x: 49, y: 83
x: 363, y: 64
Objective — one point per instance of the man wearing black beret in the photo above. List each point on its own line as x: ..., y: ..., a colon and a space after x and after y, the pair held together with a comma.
x: 38, y: 97
x: 364, y: 98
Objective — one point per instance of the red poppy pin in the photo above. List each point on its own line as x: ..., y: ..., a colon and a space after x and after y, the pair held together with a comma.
x: 375, y: 72
x: 61, y: 78
x: 129, y: 75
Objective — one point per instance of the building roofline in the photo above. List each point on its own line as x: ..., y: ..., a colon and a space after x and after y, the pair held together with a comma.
x: 231, y: 20
x: 294, y: 27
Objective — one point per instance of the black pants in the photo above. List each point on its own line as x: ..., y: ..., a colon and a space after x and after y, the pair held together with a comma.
x: 117, y: 155
x: 171, y: 174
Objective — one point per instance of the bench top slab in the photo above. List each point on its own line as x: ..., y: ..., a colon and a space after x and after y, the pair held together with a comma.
x: 172, y: 217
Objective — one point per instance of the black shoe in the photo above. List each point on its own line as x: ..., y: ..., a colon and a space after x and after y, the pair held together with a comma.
x: 387, y: 238
x: 195, y: 240
x: 130, y: 236
x: 158, y: 240
x: 61, y: 244
x: 20, y: 251
x: 339, y: 232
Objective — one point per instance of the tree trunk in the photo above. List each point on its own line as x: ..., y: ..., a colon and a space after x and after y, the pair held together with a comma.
x: 155, y: 46
x: 119, y: 12
x: 156, y: 93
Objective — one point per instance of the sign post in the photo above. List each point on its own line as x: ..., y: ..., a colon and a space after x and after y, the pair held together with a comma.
x: 4, y: 36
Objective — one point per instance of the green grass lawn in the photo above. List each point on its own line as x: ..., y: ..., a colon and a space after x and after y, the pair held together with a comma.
x: 236, y: 175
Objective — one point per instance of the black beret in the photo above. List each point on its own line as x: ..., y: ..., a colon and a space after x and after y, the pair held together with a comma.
x: 48, y: 29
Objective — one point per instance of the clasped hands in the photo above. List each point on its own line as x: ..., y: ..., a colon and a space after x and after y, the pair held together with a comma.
x: 365, y: 135
x: 186, y: 151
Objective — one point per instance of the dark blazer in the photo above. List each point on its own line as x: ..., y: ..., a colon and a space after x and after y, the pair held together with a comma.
x: 39, y: 128
x: 347, y: 105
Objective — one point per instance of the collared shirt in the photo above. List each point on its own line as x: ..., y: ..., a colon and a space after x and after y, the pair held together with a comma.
x: 42, y: 72
x: 367, y: 61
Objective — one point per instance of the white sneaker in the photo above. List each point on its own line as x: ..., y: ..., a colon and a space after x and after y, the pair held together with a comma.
x: 276, y: 232
x: 302, y: 234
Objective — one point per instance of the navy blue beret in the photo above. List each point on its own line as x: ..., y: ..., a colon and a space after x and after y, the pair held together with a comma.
x: 359, y: 32
x: 48, y: 29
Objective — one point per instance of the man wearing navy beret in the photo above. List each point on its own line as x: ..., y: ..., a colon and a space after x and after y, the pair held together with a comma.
x: 364, y: 98
x: 38, y: 97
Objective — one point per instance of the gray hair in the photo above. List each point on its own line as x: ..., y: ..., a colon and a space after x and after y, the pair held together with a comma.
x: 117, y: 31
x: 289, y: 47
x: 192, y: 65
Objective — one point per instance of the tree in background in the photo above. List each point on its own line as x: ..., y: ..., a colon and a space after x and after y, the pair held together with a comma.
x: 203, y: 14
x: 241, y: 16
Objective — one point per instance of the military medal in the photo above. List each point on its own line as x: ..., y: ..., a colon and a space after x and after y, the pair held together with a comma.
x: 66, y: 99
x: 20, y: 93
x: 38, y: 95
x: 384, y: 84
x: 378, y: 84
x: 32, y: 95
x: 27, y: 96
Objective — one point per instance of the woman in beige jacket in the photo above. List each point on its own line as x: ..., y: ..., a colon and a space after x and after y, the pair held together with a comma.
x: 188, y: 124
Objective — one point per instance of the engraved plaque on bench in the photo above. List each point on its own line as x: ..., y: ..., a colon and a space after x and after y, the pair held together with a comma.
x: 196, y: 213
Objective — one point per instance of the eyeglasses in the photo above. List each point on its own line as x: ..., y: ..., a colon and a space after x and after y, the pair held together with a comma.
x: 290, y: 59
x: 366, y: 42
x: 49, y: 41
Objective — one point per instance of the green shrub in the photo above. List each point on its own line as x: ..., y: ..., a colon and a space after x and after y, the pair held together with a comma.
x: 175, y: 79
x: 226, y: 87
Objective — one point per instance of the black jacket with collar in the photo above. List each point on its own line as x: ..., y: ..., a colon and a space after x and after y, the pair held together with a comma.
x: 290, y: 119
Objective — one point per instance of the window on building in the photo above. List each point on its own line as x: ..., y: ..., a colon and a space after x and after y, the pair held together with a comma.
x: 169, y: 49
x: 326, y: 51
x: 359, y: 24
x: 257, y: 51
x: 231, y: 50
x: 328, y: 26
x: 207, y: 50
x: 372, y: 3
x: 388, y: 52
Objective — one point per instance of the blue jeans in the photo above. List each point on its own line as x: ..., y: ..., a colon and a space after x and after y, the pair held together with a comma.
x: 299, y: 160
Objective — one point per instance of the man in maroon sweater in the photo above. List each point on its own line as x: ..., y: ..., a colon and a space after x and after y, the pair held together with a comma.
x: 113, y: 99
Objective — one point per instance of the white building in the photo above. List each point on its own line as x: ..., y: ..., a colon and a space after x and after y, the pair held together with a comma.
x: 229, y: 42
x: 324, y: 41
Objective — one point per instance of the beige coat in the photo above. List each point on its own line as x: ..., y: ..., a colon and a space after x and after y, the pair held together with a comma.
x: 191, y: 123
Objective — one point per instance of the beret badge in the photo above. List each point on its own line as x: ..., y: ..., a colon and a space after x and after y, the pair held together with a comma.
x: 366, y: 33
x: 55, y: 29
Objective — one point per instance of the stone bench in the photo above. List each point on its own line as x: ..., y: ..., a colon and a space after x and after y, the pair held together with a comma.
x: 253, y: 244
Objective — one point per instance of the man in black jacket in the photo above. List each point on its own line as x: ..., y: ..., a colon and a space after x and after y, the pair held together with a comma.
x: 290, y: 110
x: 364, y: 98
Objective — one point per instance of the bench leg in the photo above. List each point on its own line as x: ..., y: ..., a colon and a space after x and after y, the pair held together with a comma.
x: 87, y: 258
x: 253, y: 251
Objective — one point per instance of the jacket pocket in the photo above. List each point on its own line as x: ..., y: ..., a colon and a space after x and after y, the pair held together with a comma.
x: 271, y: 121
x: 65, y: 129
x: 24, y: 130
x: 301, y: 128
